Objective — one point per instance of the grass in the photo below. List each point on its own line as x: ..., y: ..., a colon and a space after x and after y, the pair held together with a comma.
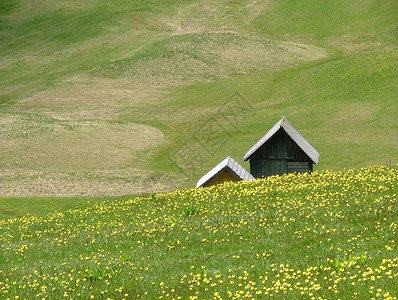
x: 95, y: 99
x: 19, y: 207
x: 79, y: 79
x: 340, y: 24
x: 202, y: 57
x: 327, y: 235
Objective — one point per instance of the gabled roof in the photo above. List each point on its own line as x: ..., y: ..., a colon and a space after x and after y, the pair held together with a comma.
x: 293, y: 133
x: 227, y: 164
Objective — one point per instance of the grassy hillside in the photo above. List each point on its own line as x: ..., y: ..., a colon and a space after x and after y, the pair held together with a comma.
x: 325, y: 235
x: 96, y: 95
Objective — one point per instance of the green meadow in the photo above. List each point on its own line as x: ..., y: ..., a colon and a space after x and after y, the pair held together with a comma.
x: 97, y: 96
x: 324, y: 235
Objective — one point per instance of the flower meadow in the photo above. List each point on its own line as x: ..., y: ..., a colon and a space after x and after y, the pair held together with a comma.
x: 321, y: 235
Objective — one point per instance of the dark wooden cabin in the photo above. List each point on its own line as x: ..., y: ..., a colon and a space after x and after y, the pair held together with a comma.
x: 281, y: 150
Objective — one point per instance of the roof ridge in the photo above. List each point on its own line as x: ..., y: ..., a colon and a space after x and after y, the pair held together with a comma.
x: 293, y: 133
x: 232, y: 165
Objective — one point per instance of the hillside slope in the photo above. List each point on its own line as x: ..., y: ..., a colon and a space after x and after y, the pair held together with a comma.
x: 95, y: 97
x: 325, y: 235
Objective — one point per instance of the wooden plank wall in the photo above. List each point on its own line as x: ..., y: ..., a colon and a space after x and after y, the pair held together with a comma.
x: 298, y: 166
x: 223, y: 177
x: 279, y: 155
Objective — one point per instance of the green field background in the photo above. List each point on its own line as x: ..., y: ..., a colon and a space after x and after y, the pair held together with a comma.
x: 98, y: 92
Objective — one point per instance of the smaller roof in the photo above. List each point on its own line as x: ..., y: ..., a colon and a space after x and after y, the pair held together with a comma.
x: 293, y: 133
x: 227, y: 164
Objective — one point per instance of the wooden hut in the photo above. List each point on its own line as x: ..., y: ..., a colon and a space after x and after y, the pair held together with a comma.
x: 227, y: 170
x: 281, y: 150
